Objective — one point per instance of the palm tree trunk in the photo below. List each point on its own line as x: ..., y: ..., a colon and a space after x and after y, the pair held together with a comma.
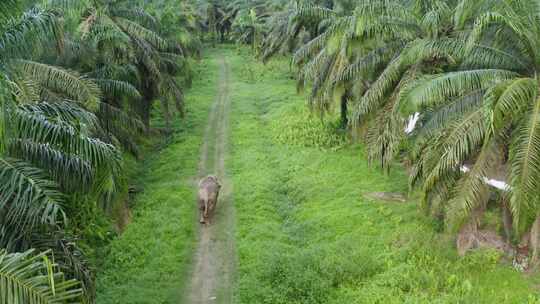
x: 344, y: 111
x: 166, y: 114
x: 507, y: 220
x: 467, y: 238
x: 534, y: 239
x: 146, y: 106
x: 149, y: 92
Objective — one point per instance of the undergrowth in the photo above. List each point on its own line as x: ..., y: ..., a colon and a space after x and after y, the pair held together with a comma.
x: 302, y: 129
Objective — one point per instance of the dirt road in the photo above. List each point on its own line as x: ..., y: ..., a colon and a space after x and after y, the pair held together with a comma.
x: 212, y: 275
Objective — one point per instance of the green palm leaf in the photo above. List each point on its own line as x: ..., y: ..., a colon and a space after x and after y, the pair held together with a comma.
x: 134, y: 29
x: 69, y: 170
x: 62, y: 110
x: 507, y: 101
x: 7, y: 9
x: 38, y: 128
x: 117, y: 88
x: 31, y: 279
x: 35, y: 28
x: 60, y: 80
x: 374, y: 97
x: 437, y: 118
x: 136, y: 14
x: 474, y: 192
x: 28, y: 197
x: 525, y: 164
x: 457, y: 144
x: 442, y: 87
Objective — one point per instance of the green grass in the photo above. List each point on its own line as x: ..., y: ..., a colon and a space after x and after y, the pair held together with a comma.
x: 306, y: 234
x: 149, y: 261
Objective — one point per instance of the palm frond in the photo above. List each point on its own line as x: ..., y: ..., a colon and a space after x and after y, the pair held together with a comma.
x: 70, y: 258
x: 507, y: 101
x: 474, y: 192
x: 33, y: 279
x: 134, y: 29
x: 437, y: 118
x: 307, y: 10
x: 525, y: 164
x: 117, y: 88
x: 442, y: 87
x: 62, y: 110
x: 35, y: 28
x: 457, y: 144
x: 136, y: 14
x: 28, y: 197
x: 8, y: 9
x: 370, y: 62
x: 69, y: 170
x: 38, y: 128
x: 57, y: 79
x: 375, y: 95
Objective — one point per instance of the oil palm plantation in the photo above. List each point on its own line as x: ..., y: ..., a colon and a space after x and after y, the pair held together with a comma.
x: 48, y: 141
x: 247, y: 28
x: 69, y: 106
x: 129, y: 45
x: 48, y: 134
x: 380, y: 53
x: 486, y: 116
x: 292, y: 27
x: 467, y: 68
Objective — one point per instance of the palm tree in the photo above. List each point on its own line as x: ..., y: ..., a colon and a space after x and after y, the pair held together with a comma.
x: 477, y: 99
x: 293, y: 27
x: 54, y: 157
x: 493, y: 122
x: 66, y: 110
x: 218, y: 20
x: 47, y: 142
x: 181, y: 24
x: 130, y: 50
x: 247, y: 28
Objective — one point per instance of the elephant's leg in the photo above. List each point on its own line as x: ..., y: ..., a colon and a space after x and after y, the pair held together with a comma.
x: 201, y: 211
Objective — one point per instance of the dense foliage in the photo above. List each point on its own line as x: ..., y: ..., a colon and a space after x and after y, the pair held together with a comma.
x: 78, y: 83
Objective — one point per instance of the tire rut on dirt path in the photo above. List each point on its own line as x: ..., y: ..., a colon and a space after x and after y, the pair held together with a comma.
x: 214, y: 260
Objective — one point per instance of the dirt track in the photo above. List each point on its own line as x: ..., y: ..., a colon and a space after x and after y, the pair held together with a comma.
x: 213, y: 264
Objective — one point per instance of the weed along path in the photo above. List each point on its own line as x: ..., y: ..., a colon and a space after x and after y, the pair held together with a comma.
x: 211, y: 277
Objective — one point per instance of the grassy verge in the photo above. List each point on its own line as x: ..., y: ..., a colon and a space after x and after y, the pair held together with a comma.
x: 148, y: 262
x: 306, y: 234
